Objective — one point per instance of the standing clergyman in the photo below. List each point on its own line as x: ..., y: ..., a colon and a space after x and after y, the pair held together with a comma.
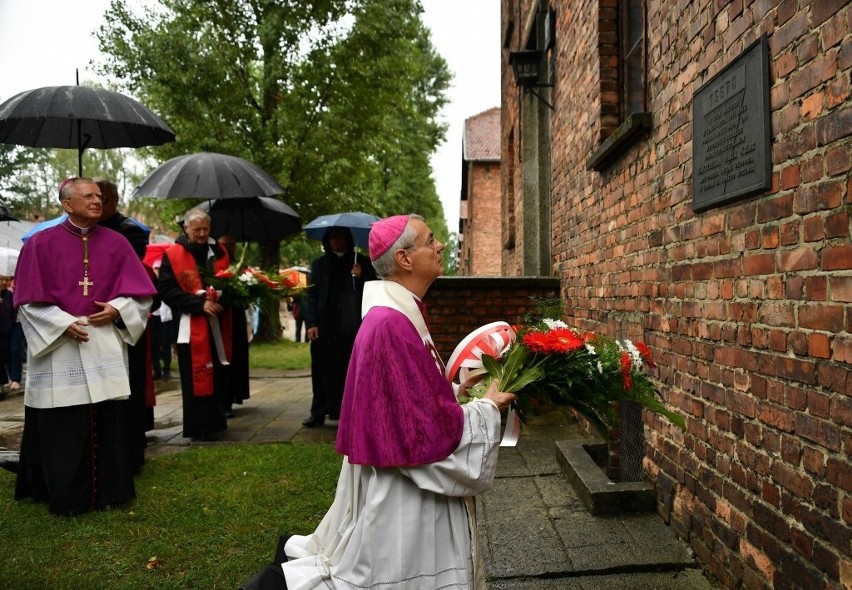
x: 83, y: 296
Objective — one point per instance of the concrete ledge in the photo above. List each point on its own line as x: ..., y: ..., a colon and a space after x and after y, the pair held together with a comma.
x: 596, y: 491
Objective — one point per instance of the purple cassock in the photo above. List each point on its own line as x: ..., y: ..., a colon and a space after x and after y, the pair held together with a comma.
x: 398, y: 408
x: 51, y: 269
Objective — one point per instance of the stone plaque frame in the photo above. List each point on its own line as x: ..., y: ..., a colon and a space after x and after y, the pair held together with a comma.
x: 731, y: 133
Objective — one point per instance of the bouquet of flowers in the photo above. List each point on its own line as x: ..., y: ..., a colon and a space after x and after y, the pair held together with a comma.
x: 241, y: 286
x: 549, y: 361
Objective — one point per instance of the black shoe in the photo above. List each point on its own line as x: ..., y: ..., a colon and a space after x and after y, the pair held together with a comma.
x: 313, y: 421
x: 167, y: 376
x: 230, y: 414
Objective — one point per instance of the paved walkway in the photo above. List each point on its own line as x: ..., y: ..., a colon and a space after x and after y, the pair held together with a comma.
x: 536, y: 534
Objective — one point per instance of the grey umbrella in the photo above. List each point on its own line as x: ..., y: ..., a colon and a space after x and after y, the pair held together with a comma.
x: 208, y: 175
x: 253, y: 219
x: 79, y: 117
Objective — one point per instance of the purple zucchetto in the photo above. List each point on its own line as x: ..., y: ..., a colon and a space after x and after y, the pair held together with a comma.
x: 384, y: 233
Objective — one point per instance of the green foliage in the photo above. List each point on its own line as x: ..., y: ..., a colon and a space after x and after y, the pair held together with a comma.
x: 210, y: 516
x: 338, y: 100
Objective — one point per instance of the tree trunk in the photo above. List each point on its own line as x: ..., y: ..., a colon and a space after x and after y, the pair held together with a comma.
x: 269, y: 327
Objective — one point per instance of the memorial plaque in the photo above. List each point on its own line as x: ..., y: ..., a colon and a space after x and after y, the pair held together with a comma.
x: 731, y: 143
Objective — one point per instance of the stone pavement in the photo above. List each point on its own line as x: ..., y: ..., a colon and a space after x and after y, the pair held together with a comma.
x: 535, y: 531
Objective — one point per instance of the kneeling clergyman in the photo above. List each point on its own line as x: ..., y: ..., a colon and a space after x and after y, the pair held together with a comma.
x: 403, y: 513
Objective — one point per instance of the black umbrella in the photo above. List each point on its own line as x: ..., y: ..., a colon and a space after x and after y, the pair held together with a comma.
x: 5, y: 214
x: 208, y: 175
x: 253, y: 219
x: 79, y: 117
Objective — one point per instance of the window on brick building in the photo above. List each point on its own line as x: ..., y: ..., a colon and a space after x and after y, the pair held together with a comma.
x: 631, y: 20
x: 622, y: 43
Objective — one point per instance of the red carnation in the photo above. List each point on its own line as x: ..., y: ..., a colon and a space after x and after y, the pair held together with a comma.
x: 224, y: 274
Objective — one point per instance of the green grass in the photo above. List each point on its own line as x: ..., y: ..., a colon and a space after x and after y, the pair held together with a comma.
x: 211, y: 515
x: 284, y: 354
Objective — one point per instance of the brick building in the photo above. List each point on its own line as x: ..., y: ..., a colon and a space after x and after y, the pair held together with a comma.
x: 745, y: 303
x: 479, y: 231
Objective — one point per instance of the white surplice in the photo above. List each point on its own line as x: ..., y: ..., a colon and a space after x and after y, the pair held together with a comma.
x: 62, y: 372
x: 403, y: 528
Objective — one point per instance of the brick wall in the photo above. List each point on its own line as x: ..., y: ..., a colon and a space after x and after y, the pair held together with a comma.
x: 746, y: 306
x: 458, y: 305
x: 483, y: 233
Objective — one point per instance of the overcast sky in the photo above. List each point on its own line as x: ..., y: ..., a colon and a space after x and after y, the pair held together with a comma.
x: 43, y: 42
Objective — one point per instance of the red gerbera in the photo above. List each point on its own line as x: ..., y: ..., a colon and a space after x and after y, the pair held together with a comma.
x: 563, y: 340
x: 536, y: 341
x: 645, y: 352
x: 556, y: 341
x: 625, y: 370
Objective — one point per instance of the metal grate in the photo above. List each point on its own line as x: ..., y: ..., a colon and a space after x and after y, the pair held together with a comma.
x: 632, y: 446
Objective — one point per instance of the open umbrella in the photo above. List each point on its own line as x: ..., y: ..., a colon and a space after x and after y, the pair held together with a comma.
x: 5, y: 214
x: 44, y: 225
x: 154, y: 252
x: 57, y: 220
x: 208, y: 175
x: 8, y: 261
x: 357, y: 222
x: 79, y: 117
x: 253, y: 219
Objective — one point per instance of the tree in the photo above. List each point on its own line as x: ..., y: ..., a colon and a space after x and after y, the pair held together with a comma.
x: 337, y: 99
x: 32, y: 175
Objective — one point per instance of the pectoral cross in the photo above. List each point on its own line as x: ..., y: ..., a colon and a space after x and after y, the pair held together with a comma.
x: 85, y: 283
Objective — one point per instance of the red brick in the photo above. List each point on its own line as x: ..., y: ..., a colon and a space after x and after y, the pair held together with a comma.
x: 777, y: 314
x: 820, y: 317
x: 835, y: 377
x: 813, y: 460
x: 790, y: 233
x: 837, y: 225
x: 822, y: 10
x: 841, y: 411
x: 813, y: 229
x: 821, y: 432
x: 776, y: 416
x: 819, y: 346
x: 815, y: 287
x: 774, y: 209
x: 837, y: 258
x: 841, y: 289
x: 833, y: 126
x: 818, y: 197
x: 837, y: 93
x: 759, y: 264
x: 837, y: 161
x: 812, y: 168
x: 784, y: 64
x: 804, y: 258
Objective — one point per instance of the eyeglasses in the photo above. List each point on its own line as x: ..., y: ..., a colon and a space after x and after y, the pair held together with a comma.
x: 88, y: 197
x: 430, y: 243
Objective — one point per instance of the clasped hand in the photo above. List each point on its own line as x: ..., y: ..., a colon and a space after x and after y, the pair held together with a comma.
x: 77, y: 332
x: 212, y: 308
